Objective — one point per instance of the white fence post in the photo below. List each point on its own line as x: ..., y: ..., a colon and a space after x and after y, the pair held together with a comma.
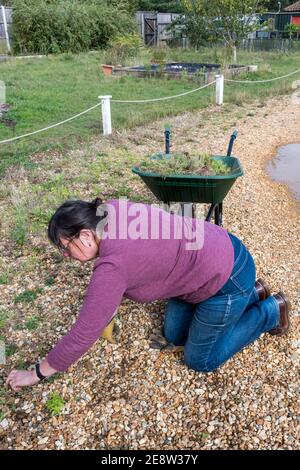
x: 219, y: 89
x: 106, y: 114
x: 5, y: 28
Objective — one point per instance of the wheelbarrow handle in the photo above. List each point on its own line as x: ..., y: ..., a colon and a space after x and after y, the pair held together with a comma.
x: 231, y: 142
x: 167, y: 141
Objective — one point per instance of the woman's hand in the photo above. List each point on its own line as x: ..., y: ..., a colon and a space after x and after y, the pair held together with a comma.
x: 21, y: 378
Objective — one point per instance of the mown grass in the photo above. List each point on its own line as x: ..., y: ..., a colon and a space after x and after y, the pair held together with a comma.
x: 45, y: 91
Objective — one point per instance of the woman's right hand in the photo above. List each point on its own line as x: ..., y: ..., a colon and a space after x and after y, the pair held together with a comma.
x: 18, y: 379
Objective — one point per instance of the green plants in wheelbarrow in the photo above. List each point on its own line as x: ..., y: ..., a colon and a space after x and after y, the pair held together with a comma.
x: 190, y: 178
x: 174, y: 164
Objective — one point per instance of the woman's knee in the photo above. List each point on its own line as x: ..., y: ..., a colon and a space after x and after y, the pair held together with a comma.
x: 200, y: 364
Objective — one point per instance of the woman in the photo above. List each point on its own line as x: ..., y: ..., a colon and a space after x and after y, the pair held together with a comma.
x: 215, y: 308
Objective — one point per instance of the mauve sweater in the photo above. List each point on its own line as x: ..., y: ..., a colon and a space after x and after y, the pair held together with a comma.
x: 149, y: 265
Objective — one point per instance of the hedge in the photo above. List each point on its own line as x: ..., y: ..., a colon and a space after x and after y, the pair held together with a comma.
x: 55, y: 26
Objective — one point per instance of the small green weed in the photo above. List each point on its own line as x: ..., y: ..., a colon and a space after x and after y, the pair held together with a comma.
x: 32, y: 323
x: 19, y: 231
x: 4, y: 315
x: 49, y: 281
x: 28, y: 296
x: 55, y: 404
x: 11, y: 349
x: 4, y: 278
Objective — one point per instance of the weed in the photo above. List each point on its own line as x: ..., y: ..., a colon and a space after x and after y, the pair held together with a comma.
x: 4, y: 315
x: 32, y: 323
x: 11, y: 349
x: 55, y: 404
x: 4, y: 278
x: 19, y: 231
x: 28, y: 296
x: 49, y: 281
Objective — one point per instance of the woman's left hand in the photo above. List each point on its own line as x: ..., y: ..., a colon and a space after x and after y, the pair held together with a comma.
x: 21, y: 378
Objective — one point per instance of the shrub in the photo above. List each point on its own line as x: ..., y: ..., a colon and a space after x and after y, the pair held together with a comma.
x: 123, y: 47
x: 55, y: 26
x: 159, y: 55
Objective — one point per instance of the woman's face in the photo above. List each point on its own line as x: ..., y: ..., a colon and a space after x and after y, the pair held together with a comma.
x: 83, y: 248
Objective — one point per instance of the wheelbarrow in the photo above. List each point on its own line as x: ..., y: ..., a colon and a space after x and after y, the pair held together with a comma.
x: 194, y: 188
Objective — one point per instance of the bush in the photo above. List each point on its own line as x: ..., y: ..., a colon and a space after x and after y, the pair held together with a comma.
x: 159, y: 55
x: 123, y: 47
x: 55, y: 26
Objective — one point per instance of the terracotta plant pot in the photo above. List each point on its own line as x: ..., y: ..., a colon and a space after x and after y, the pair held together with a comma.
x: 107, y: 69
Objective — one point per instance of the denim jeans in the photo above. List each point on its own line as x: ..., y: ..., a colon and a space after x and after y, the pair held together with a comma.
x: 214, y: 330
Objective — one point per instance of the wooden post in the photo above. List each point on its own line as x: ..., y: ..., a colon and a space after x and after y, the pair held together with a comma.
x: 106, y: 114
x: 219, y: 89
x: 5, y: 28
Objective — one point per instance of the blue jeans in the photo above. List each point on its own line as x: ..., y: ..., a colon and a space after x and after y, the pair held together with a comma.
x: 214, y: 330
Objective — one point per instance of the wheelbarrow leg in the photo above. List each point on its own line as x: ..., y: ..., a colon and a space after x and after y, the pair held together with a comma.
x: 193, y: 210
x: 210, y: 213
x: 219, y: 213
x: 166, y: 206
x: 217, y: 209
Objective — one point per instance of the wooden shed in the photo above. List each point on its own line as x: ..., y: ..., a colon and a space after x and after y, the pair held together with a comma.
x: 153, y: 26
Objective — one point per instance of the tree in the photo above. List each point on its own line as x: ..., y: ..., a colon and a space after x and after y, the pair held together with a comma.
x: 292, y: 30
x: 228, y: 20
x: 171, y: 6
x: 272, y: 5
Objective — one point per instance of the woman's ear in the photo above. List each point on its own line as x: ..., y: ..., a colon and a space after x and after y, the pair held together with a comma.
x: 86, y: 237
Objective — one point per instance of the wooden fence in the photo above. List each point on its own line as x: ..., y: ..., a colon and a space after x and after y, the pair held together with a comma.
x: 266, y: 44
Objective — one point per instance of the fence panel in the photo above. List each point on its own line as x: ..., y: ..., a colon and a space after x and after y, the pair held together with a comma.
x: 265, y: 44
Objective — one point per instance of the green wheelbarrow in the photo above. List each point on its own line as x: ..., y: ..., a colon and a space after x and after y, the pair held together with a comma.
x: 194, y: 188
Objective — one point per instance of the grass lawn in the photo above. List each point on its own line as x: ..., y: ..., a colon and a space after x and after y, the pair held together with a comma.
x: 43, y: 92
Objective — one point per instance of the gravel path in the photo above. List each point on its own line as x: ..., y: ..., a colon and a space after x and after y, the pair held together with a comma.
x: 124, y: 395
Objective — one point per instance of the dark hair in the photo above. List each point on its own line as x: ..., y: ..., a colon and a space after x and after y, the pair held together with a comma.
x: 71, y: 217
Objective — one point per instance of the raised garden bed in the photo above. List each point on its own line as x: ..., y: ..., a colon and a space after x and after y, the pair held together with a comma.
x: 177, y: 70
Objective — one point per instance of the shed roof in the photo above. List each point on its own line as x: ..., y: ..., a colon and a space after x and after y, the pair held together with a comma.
x: 293, y: 7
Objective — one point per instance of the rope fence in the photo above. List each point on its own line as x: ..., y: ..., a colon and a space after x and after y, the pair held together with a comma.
x: 166, y: 97
x: 263, y: 81
x: 50, y: 127
x: 106, y: 101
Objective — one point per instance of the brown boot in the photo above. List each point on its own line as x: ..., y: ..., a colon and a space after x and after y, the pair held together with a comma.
x: 284, y: 321
x: 262, y: 289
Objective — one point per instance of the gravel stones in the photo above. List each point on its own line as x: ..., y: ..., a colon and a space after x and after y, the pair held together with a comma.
x: 125, y: 395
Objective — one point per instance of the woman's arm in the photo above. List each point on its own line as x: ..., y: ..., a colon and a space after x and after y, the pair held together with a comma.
x: 103, y: 296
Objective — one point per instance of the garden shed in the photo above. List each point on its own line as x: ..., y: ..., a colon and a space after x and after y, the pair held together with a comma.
x: 153, y: 26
